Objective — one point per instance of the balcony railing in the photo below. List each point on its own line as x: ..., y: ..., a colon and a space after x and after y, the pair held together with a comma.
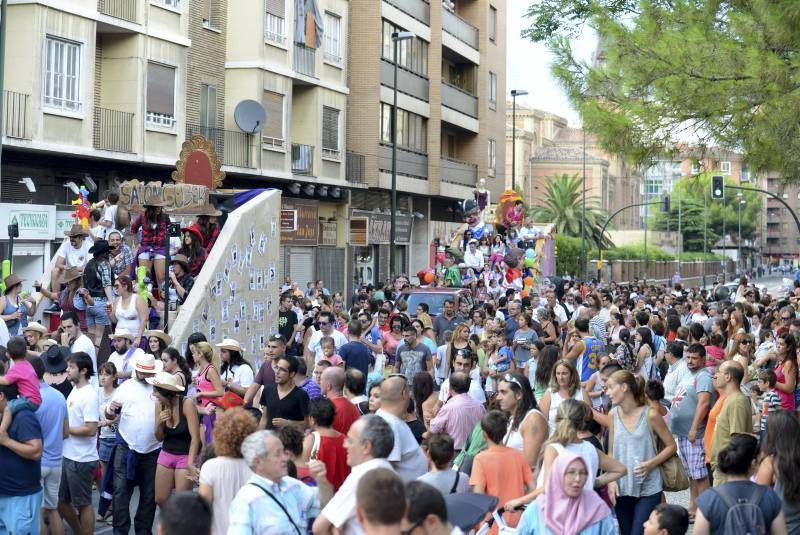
x: 304, y: 60
x: 233, y: 148
x: 418, y: 9
x: 119, y: 9
x: 16, y: 115
x: 355, y: 168
x: 302, y: 159
x: 408, y: 82
x: 459, y: 100
x: 458, y: 172
x: 459, y: 28
x: 113, y: 130
x: 409, y: 162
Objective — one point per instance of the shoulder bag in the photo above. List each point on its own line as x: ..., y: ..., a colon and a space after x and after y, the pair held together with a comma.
x: 673, y: 475
x: 268, y: 493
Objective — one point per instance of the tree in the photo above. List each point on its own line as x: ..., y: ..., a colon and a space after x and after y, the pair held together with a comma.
x: 563, y: 207
x: 694, y: 192
x: 675, y: 71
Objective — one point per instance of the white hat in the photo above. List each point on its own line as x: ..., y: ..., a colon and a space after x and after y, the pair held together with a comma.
x: 122, y: 332
x: 231, y: 345
x: 158, y: 333
x: 36, y: 327
x: 147, y: 363
x: 166, y: 380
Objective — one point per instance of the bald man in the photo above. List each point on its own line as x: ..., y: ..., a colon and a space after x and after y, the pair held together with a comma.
x: 331, y: 382
x: 407, y: 457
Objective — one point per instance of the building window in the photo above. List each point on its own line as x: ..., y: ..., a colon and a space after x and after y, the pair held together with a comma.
x: 275, y: 22
x: 492, y: 23
x: 332, y: 38
x: 62, y: 75
x: 492, y: 90
x: 174, y: 4
x: 725, y: 167
x: 272, y: 136
x: 208, y: 106
x: 210, y: 11
x: 330, y: 134
x: 412, y: 129
x: 160, y: 96
x: 412, y: 54
x: 492, y: 157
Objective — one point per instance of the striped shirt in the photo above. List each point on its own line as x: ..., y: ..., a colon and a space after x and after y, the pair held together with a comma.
x: 770, y: 403
x: 457, y: 418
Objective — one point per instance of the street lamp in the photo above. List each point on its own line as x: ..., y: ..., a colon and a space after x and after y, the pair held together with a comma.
x: 739, y: 236
x: 396, y: 38
x: 514, y: 94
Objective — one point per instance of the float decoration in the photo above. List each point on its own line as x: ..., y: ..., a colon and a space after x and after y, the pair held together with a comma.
x: 83, y: 208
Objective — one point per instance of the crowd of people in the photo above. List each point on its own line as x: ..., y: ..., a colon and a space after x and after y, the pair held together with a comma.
x: 577, y: 408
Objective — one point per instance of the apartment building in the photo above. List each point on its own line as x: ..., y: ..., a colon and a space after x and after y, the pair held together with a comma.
x: 450, y: 125
x: 780, y: 239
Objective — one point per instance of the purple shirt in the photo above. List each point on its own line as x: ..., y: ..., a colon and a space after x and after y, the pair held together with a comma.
x: 311, y: 388
x: 457, y: 418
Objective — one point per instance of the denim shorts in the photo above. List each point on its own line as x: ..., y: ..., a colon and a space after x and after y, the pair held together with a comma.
x: 97, y: 313
x: 105, y: 447
x: 20, y: 514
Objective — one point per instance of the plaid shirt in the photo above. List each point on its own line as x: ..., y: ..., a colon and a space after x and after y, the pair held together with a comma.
x: 126, y: 261
x: 151, y: 237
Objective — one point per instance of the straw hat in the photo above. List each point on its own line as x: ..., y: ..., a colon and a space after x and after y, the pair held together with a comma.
x: 11, y: 281
x: 154, y: 203
x: 182, y: 260
x: 35, y: 326
x: 166, y: 381
x: 146, y: 363
x: 76, y: 230
x: 210, y: 211
x: 122, y: 332
x: 70, y: 275
x: 161, y: 335
x: 231, y: 345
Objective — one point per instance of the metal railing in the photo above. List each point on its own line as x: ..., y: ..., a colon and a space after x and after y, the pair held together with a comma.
x: 304, y: 60
x: 459, y: 28
x: 119, y: 9
x: 408, y: 82
x: 459, y: 100
x: 418, y: 9
x: 233, y: 148
x: 355, y: 168
x: 409, y: 162
x: 458, y: 172
x: 16, y: 113
x: 302, y: 159
x: 113, y: 130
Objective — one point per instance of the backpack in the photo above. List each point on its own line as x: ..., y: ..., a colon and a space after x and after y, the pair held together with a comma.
x: 122, y: 218
x: 744, y: 516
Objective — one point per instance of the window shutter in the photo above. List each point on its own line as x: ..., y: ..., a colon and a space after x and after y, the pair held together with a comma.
x: 273, y: 104
x: 330, y: 128
x: 160, y: 89
x: 276, y: 7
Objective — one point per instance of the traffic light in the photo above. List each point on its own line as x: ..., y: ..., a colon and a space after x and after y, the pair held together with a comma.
x: 665, y: 204
x: 717, y: 187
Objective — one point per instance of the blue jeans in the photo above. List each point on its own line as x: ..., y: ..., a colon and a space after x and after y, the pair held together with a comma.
x: 97, y: 314
x: 633, y: 512
x: 20, y: 403
x: 20, y: 514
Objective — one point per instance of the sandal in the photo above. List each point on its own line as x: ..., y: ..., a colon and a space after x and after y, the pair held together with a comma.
x: 691, y: 518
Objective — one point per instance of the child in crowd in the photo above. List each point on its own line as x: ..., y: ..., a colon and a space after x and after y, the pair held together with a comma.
x: 667, y: 519
x: 328, y: 347
x: 24, y: 376
x: 654, y: 392
x: 769, y: 402
x: 440, y: 454
x: 108, y: 428
x: 596, y: 384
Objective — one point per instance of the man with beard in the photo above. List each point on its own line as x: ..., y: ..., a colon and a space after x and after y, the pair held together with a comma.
x: 125, y: 353
x: 121, y: 255
x: 136, y: 439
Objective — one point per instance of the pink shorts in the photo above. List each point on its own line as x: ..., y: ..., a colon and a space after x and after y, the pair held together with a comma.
x: 173, y: 461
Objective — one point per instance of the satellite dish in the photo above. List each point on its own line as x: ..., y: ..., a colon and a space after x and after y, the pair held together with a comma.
x: 250, y: 116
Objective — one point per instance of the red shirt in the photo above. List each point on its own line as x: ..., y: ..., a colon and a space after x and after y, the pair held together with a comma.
x: 334, y: 456
x: 346, y: 414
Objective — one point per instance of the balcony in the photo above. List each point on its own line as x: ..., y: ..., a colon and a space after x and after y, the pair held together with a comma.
x: 16, y: 115
x: 459, y: 100
x: 459, y: 28
x: 418, y: 9
x: 113, y: 130
x: 458, y: 172
x: 355, y: 168
x: 302, y: 159
x: 410, y: 163
x: 408, y: 82
x: 233, y: 148
x: 119, y: 9
x: 304, y: 60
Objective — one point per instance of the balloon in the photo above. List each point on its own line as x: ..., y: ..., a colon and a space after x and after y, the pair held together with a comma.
x: 528, y: 281
x: 524, y: 293
x: 440, y: 257
x: 529, y: 262
x: 530, y: 253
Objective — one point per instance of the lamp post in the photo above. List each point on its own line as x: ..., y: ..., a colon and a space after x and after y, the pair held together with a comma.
x: 583, y: 210
x: 396, y: 38
x: 514, y: 94
x: 739, y: 236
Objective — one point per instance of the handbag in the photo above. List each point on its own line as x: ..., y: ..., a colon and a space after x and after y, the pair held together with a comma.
x: 673, y: 475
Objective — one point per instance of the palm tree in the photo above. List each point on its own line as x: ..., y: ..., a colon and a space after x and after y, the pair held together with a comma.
x: 562, y: 206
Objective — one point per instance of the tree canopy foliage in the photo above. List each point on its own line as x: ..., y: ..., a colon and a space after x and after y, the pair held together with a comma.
x: 703, y: 72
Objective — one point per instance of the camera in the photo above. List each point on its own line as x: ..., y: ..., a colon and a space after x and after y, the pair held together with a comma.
x: 174, y: 230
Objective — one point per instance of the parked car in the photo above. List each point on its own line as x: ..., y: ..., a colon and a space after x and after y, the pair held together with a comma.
x: 434, y: 298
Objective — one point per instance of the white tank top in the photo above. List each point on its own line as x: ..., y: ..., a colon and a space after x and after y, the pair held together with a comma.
x: 513, y: 438
x: 127, y: 317
x: 555, y: 401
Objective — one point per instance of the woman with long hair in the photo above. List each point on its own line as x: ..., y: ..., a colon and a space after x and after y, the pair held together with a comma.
x: 191, y: 348
x: 208, y: 385
x: 153, y: 223
x: 522, y: 342
x: 737, y: 462
x: 235, y: 372
x: 673, y: 323
x: 645, y: 354
x: 393, y: 337
x: 130, y: 310
x: 736, y: 332
x: 192, y: 248
x: 460, y: 341
x: 424, y: 396
x: 780, y: 464
x: 548, y: 357
x: 786, y: 370
x: 565, y: 383
x: 631, y: 430
x: 625, y: 354
x: 157, y: 341
x: 175, y: 364
x: 527, y: 427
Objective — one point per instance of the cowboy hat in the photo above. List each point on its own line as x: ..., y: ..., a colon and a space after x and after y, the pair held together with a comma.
x: 166, y: 381
x: 122, y: 332
x: 70, y: 275
x: 154, y: 203
x: 35, y: 326
x: 182, y: 260
x: 194, y: 231
x: 147, y: 363
x: 231, y: 345
x: 76, y: 230
x: 11, y: 281
x: 99, y: 247
x: 161, y: 335
x: 55, y: 359
x: 210, y: 211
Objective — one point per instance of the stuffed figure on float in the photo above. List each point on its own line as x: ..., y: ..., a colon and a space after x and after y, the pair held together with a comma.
x: 452, y: 274
x: 510, y: 212
x: 513, y: 261
x: 474, y: 220
x: 83, y: 208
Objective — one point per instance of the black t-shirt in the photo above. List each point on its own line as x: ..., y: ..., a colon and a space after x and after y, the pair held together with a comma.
x: 356, y: 355
x: 286, y: 322
x: 714, y: 507
x: 293, y: 406
x: 19, y: 476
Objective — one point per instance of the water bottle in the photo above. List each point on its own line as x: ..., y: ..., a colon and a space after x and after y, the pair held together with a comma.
x: 637, y: 479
